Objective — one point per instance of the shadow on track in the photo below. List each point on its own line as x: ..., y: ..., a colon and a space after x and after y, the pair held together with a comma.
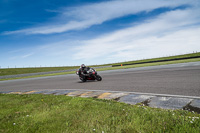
x: 88, y: 81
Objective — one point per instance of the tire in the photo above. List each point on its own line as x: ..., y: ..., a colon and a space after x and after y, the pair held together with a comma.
x: 83, y: 79
x: 98, y: 78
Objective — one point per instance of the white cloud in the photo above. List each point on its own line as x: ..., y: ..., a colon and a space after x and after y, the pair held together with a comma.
x: 170, y: 33
x: 85, y: 16
x: 174, y: 32
x: 27, y: 55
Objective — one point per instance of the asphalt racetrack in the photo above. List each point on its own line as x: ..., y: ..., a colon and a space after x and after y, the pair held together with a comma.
x: 177, y: 79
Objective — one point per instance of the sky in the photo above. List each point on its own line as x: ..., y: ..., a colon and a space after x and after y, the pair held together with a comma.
x: 50, y: 33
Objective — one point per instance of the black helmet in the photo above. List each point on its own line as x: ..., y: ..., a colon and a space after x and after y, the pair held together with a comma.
x: 83, y: 66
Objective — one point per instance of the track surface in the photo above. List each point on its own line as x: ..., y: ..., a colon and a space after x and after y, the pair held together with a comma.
x: 178, y: 79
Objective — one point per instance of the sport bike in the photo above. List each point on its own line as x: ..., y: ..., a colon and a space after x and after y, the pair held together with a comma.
x: 90, y: 74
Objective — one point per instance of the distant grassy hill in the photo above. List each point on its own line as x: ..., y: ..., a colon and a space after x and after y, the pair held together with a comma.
x: 161, y: 59
x: 15, y: 71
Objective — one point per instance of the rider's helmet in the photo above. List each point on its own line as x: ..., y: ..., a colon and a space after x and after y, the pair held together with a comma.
x: 83, y: 66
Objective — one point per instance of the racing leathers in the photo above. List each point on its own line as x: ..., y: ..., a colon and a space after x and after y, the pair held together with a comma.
x: 84, y: 71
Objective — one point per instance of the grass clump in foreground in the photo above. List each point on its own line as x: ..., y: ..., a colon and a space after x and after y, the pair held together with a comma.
x: 50, y: 113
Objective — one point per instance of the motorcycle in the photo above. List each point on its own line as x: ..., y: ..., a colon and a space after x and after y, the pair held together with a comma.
x: 91, y: 75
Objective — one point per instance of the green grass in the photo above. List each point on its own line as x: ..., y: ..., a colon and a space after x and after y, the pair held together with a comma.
x: 149, y: 64
x: 14, y: 71
x: 35, y: 76
x: 55, y: 114
x: 161, y: 58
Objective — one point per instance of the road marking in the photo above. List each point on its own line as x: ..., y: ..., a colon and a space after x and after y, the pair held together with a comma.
x: 29, y: 92
x: 94, y: 94
x: 75, y: 93
x: 86, y: 94
x: 115, y: 95
x: 15, y: 93
x: 141, y: 93
x: 102, y: 96
x: 106, y: 93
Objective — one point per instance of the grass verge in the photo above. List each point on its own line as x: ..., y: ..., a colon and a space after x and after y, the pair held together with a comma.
x: 161, y: 59
x: 15, y: 71
x: 50, y: 113
x: 150, y: 64
x: 35, y: 76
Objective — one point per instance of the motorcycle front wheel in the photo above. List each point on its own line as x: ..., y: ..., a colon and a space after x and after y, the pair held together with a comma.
x: 98, y: 78
x: 83, y: 79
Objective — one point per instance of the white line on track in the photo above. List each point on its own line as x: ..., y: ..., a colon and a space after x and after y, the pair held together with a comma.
x: 140, y: 93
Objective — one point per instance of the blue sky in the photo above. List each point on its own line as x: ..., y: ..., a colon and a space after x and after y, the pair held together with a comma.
x: 71, y: 32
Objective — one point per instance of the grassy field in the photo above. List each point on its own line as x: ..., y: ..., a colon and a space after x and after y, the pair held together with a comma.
x: 49, y: 113
x: 14, y: 71
x: 44, y: 75
x: 160, y: 59
x: 150, y: 64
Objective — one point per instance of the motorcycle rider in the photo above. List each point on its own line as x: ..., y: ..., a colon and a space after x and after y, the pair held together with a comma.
x: 83, y: 69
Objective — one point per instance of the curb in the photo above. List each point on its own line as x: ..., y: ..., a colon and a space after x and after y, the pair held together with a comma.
x: 152, y: 100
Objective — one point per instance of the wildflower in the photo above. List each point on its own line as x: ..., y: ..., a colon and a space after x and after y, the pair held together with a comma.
x: 27, y: 115
x: 102, y: 132
x: 191, y: 121
x: 123, y: 109
x: 193, y: 118
x: 14, y: 123
x: 193, y: 112
x: 94, y: 129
